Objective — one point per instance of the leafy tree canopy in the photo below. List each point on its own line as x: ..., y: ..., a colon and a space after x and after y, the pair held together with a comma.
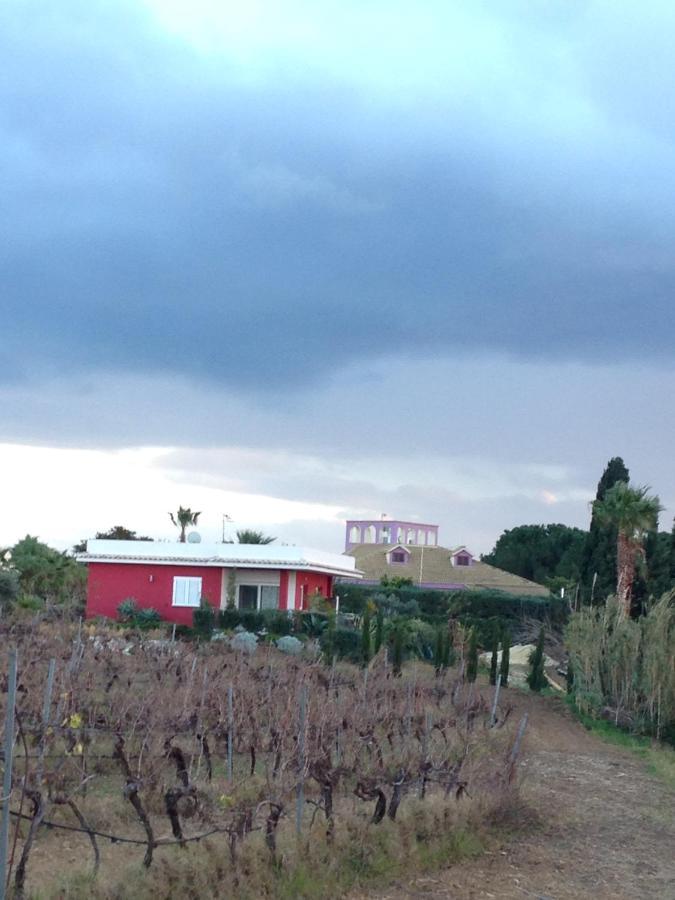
x: 47, y: 573
x: 116, y: 533
x: 249, y: 536
x: 547, y: 554
x: 598, y: 564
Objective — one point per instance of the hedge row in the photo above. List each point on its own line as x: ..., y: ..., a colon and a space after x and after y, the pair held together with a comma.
x: 436, y: 604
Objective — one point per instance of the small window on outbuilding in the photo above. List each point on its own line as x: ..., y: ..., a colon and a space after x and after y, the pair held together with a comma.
x: 463, y: 559
x: 398, y: 556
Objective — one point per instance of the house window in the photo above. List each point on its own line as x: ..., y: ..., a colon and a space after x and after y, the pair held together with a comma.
x: 186, y: 591
x: 258, y: 596
x: 398, y: 556
x: 462, y: 559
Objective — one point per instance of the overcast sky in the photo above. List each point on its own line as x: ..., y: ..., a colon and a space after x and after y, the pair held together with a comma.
x: 302, y: 261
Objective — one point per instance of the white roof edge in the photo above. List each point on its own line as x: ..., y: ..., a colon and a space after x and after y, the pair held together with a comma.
x: 254, y: 556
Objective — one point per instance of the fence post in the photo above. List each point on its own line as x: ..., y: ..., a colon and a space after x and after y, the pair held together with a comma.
x: 513, y: 757
x: 47, y: 703
x: 494, y: 701
x: 230, y: 729
x: 300, y: 801
x: 7, y: 779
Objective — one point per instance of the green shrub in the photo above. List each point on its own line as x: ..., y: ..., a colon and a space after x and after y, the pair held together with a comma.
x: 9, y: 586
x: 147, y: 618
x: 472, y: 657
x: 290, y: 644
x: 345, y: 643
x: 536, y: 677
x: 420, y: 639
x: 278, y: 621
x: 204, y: 620
x: 30, y: 602
x: 244, y: 641
x: 379, y: 630
x: 228, y: 619
x: 252, y: 620
x: 126, y: 610
x: 473, y: 608
x: 397, y: 635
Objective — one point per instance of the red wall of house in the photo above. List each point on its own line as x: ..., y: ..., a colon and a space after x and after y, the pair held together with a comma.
x: 151, y: 585
x: 309, y: 582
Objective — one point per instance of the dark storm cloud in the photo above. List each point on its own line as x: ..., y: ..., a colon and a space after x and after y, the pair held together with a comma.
x: 164, y: 213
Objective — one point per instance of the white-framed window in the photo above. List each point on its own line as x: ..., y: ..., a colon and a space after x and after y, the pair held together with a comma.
x: 258, y: 596
x: 186, y: 591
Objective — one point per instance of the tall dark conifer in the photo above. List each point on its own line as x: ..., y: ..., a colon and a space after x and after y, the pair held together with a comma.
x: 600, y: 551
x: 495, y: 653
x: 472, y: 657
x: 506, y: 653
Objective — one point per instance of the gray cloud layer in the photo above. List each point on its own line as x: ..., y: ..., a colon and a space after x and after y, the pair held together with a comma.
x: 175, y: 212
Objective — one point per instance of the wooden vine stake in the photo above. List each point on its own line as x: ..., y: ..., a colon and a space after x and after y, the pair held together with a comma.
x: 7, y: 777
x: 300, y: 790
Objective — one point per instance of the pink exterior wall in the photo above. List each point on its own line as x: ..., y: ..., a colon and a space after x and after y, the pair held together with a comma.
x: 150, y: 585
x: 307, y: 583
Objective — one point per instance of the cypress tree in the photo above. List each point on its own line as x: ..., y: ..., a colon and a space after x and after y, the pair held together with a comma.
x: 506, y: 649
x: 365, y: 637
x: 438, y: 651
x: 397, y: 649
x: 493, y: 658
x: 379, y: 630
x: 448, y: 649
x: 599, y: 554
x: 472, y: 657
x: 536, y: 677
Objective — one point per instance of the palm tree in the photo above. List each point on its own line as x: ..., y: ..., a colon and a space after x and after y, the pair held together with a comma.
x: 182, y: 519
x: 248, y: 536
x: 633, y: 512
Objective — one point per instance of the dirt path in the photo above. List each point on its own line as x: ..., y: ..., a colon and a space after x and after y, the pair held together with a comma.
x: 607, y: 832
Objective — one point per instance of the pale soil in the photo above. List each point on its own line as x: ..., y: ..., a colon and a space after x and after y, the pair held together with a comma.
x: 607, y: 826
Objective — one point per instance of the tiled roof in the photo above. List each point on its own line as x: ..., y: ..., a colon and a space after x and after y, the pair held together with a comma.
x: 432, y: 566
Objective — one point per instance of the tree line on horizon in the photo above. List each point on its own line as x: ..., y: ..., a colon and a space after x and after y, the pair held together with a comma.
x: 623, y: 529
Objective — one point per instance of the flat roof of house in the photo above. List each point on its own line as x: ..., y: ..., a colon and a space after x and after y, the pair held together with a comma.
x: 244, y: 556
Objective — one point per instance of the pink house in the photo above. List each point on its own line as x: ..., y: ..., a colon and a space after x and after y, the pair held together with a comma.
x: 173, y: 578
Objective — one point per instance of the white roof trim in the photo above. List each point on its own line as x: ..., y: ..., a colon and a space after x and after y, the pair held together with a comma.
x: 244, y: 556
